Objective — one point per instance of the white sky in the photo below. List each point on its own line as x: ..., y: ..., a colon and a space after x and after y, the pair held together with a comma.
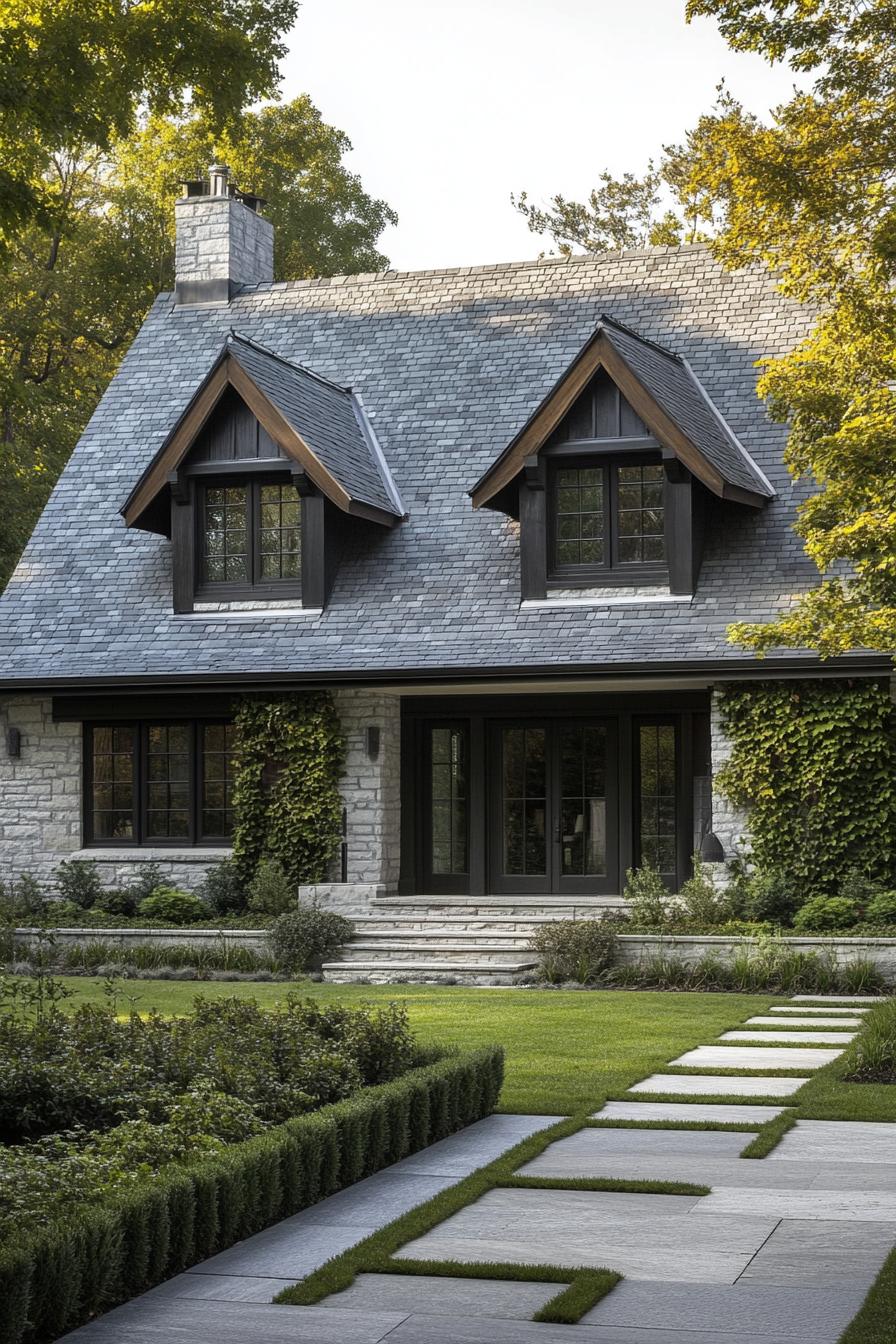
x: 452, y: 105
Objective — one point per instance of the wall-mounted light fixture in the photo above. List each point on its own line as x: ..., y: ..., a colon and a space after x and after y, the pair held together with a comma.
x: 372, y: 741
x: 711, y: 848
x: 13, y: 742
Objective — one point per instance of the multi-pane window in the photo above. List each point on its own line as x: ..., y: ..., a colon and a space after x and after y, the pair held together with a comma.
x: 640, y: 514
x: 112, y: 783
x: 657, y: 797
x: 279, y: 533
x: 225, y: 535
x: 250, y: 535
x: 580, y: 516
x: 159, y: 783
x: 605, y: 516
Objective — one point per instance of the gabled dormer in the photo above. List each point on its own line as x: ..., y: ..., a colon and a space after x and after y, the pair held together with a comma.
x: 258, y: 481
x: 611, y: 476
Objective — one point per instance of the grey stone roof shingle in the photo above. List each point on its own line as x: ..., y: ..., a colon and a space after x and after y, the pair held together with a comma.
x: 324, y: 414
x: 671, y: 381
x: 449, y: 365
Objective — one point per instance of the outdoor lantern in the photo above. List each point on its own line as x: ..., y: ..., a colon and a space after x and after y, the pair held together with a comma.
x: 13, y: 742
x: 372, y: 741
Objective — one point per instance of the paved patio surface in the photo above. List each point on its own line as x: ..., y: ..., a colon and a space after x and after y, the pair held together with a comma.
x: 782, y: 1251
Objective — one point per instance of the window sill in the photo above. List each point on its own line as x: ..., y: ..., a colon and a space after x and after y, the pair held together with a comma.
x: 250, y: 609
x: 564, y: 599
x: 153, y: 854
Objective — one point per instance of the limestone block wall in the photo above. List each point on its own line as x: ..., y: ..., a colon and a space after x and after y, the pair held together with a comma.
x: 219, y: 238
x: 40, y: 804
x: 40, y: 791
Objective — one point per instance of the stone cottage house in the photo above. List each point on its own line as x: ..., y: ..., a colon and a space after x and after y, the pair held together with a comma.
x: 504, y: 514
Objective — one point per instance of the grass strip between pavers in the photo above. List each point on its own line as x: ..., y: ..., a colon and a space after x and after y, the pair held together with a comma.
x: 584, y: 1287
x: 731, y: 1126
x: 602, y: 1183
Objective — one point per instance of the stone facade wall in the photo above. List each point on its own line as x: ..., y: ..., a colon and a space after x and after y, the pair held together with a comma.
x: 728, y: 822
x: 40, y: 804
x: 40, y: 791
x: 219, y: 238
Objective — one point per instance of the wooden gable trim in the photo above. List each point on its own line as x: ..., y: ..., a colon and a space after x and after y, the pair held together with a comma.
x: 600, y: 354
x: 229, y: 373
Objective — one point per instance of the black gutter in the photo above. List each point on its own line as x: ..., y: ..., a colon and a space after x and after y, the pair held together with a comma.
x: 718, y: 669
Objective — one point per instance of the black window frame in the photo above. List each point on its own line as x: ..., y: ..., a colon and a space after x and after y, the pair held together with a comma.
x: 611, y: 570
x: 254, y: 586
x: 140, y: 837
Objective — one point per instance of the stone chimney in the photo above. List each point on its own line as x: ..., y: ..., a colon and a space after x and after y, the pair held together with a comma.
x: 223, y: 241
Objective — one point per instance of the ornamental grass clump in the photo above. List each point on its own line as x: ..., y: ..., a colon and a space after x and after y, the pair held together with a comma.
x: 871, y: 1058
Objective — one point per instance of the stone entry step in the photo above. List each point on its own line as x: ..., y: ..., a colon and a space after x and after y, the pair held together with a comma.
x: 444, y: 952
x: 382, y: 971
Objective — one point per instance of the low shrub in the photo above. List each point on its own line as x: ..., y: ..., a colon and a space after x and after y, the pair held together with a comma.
x: 148, y: 881
x: 117, y: 901
x: 575, y: 949
x: 825, y: 913
x: 224, y: 890
x: 78, y: 881
x: 881, y: 910
x: 22, y: 899
x: 271, y: 892
x: 699, y: 901
x: 305, y: 937
x: 871, y: 1057
x: 647, y: 897
x: 770, y: 897
x: 57, y: 1276
x: 179, y: 907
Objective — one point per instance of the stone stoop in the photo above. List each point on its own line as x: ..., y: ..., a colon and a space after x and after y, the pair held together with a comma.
x: 467, y: 940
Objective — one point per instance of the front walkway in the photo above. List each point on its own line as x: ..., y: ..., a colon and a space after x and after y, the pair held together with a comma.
x: 782, y: 1251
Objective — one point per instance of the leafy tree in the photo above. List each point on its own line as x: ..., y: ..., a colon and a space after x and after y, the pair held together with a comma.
x: 73, y: 73
x: 79, y: 284
x: 812, y: 195
x: 623, y: 212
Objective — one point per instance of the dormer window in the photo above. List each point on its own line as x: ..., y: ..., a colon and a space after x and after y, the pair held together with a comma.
x: 256, y: 482
x: 611, y: 474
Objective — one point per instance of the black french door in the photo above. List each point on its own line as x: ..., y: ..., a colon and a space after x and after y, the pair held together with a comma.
x: 553, y: 807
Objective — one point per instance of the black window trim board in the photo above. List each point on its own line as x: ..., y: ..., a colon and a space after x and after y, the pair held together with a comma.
x: 140, y: 839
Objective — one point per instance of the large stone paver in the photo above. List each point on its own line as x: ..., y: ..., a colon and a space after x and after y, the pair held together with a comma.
x: 861, y: 1206
x: 693, y: 1085
x: 795, y: 1037
x: 430, y: 1294
x: 641, y: 1236
x: 837, y: 1141
x: 839, y: 998
x: 808, y: 1008
x: 813, y: 1022
x: 173, y: 1321
x: 817, y: 1316
x: 756, y: 1057
x: 694, y: 1111
x: 821, y: 1254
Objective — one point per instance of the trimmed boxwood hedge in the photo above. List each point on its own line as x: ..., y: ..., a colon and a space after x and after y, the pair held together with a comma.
x: 57, y: 1278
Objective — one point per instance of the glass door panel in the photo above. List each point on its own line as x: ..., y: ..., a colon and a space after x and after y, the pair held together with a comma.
x: 446, y: 827
x: 524, y: 802
x: 657, y: 798
x: 583, y: 801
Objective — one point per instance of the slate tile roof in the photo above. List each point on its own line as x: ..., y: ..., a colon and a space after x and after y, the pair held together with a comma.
x: 449, y: 365
x: 672, y: 382
x: 326, y: 416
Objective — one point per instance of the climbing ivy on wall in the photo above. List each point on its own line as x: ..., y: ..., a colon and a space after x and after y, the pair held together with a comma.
x: 288, y: 761
x: 815, y: 764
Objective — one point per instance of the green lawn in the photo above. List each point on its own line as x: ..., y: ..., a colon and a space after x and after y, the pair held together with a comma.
x: 566, y: 1051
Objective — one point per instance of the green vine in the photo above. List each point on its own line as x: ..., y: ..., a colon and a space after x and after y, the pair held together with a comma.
x: 815, y: 764
x: 288, y: 762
